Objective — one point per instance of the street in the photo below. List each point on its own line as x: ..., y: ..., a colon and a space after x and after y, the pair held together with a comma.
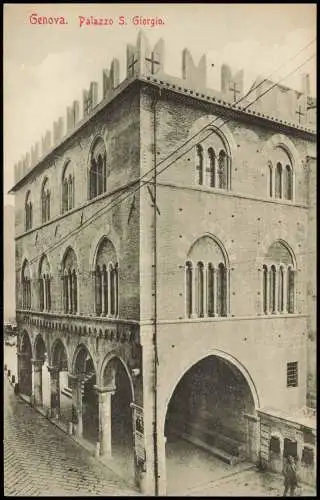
x: 39, y: 459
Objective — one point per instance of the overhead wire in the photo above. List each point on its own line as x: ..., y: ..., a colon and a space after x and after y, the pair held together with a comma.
x: 112, y: 204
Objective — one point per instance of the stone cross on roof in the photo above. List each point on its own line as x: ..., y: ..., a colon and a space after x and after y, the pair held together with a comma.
x: 142, y: 60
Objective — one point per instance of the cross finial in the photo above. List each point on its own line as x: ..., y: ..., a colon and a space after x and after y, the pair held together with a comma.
x: 299, y: 113
x: 235, y: 91
x: 153, y: 62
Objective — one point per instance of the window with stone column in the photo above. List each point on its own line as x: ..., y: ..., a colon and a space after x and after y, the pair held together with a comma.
x: 213, y: 161
x: 278, y: 280
x: 106, y: 280
x: 44, y: 280
x: 67, y: 188
x: 45, y: 201
x: 26, y: 285
x: 28, y: 212
x: 280, y: 174
x: 70, y: 282
x: 207, y: 279
x: 98, y: 169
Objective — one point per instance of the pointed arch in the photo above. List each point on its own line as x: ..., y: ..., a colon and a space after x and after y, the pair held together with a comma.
x: 97, y: 168
x: 207, y: 278
x: 45, y: 200
x: 106, y: 276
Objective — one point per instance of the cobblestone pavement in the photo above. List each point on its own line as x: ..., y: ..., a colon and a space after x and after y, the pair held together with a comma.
x: 39, y: 459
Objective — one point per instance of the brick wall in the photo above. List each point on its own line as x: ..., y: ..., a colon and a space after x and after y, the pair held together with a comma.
x: 119, y: 127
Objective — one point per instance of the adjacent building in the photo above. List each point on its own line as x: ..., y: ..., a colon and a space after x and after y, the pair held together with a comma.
x: 176, y: 306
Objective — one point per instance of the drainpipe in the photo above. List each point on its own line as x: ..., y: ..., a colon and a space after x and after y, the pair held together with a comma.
x: 155, y: 284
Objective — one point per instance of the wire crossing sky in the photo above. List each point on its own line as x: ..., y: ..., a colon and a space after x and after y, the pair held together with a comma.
x: 46, y: 67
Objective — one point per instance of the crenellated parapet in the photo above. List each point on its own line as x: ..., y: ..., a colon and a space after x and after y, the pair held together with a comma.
x: 265, y: 98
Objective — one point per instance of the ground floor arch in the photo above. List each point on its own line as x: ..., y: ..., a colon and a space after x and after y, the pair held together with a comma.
x: 118, y: 399
x: 61, y: 407
x: 208, y: 423
x: 85, y: 397
x: 25, y: 365
x: 40, y: 356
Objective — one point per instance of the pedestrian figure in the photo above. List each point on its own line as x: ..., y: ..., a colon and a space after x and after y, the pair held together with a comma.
x: 290, y: 476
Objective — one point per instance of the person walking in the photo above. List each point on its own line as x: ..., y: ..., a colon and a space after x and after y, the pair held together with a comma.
x: 290, y: 476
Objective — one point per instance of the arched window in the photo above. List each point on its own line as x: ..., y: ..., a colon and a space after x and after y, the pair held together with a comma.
x: 265, y: 290
x: 67, y: 188
x: 44, y: 285
x: 70, y: 282
x: 283, y: 174
x: 106, y: 280
x: 273, y: 274
x: 288, y: 183
x: 45, y: 201
x: 98, y: 170
x: 290, y: 290
x: 213, y: 163
x: 210, y: 275
x: 28, y: 212
x: 270, y: 179
x: 199, y: 166
x: 206, y: 288
x: 222, y: 170
x: 281, y: 289
x: 98, y: 288
x: 212, y: 167
x: 26, y: 286
x: 278, y: 280
x: 200, y: 290
x: 278, y: 181
x: 189, y: 289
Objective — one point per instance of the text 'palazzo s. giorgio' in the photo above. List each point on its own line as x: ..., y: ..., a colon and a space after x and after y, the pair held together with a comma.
x: 180, y: 307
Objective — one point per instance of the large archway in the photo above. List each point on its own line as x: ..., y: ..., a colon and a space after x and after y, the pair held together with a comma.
x: 122, y: 443
x: 84, y: 367
x: 40, y: 356
x: 206, y: 426
x: 25, y: 365
x: 60, y: 365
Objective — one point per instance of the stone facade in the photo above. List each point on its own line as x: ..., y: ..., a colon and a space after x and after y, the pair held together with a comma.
x: 151, y: 117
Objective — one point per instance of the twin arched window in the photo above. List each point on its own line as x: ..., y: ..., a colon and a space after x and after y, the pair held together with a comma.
x: 70, y: 282
x: 44, y: 285
x: 280, y: 175
x: 98, y: 170
x: 26, y: 286
x: 45, y: 201
x: 206, y: 280
x: 67, y: 189
x: 106, y: 280
x: 28, y: 212
x: 278, y: 281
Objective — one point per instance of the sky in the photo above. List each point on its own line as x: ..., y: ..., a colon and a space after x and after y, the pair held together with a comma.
x: 46, y: 67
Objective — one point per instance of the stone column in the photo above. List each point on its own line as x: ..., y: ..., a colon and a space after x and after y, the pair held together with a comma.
x: 285, y: 290
x: 215, y: 291
x: 105, y: 435
x: 54, y: 391
x: 267, y: 291
x: 276, y: 286
x: 37, y: 382
x: 69, y: 293
x: 162, y: 475
x: 109, y: 292
x: 205, y: 291
x: 193, y: 292
x: 77, y: 410
x: 103, y: 302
